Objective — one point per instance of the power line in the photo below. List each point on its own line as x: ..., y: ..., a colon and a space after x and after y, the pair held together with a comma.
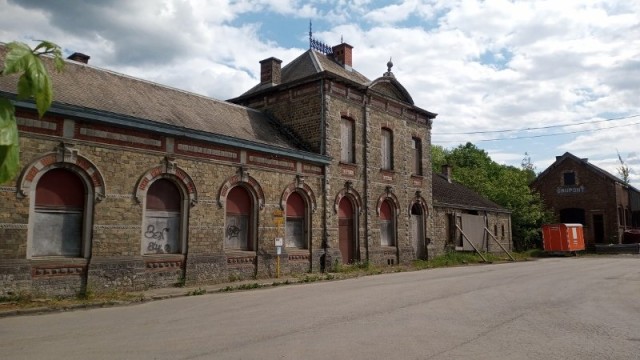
x: 540, y: 127
x: 557, y: 134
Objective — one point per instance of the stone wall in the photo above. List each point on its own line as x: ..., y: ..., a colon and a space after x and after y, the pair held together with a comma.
x: 115, y: 259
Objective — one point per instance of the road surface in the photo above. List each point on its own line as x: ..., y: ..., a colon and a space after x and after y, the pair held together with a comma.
x: 555, y: 308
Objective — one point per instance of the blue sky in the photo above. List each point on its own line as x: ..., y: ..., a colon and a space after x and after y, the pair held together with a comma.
x: 483, y: 66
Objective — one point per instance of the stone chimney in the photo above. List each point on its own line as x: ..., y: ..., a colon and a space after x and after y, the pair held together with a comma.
x: 79, y: 57
x: 446, y: 171
x: 343, y: 55
x: 270, y: 71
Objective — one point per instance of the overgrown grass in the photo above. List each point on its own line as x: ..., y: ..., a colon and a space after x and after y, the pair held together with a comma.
x: 360, y: 267
x: 196, y: 292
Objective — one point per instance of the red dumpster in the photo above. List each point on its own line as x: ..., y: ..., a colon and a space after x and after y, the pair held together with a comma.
x: 563, y: 237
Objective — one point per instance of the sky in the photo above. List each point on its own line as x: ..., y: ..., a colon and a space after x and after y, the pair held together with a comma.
x: 512, y: 77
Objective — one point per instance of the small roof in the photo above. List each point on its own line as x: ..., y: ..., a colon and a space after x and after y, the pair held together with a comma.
x: 569, y: 156
x: 88, y: 87
x: 453, y: 194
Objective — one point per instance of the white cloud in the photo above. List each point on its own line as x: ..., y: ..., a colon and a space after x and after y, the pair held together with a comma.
x: 482, y: 65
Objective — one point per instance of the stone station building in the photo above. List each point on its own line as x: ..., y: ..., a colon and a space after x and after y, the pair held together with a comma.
x: 128, y: 184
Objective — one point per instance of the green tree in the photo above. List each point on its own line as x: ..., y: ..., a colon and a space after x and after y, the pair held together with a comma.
x: 33, y: 82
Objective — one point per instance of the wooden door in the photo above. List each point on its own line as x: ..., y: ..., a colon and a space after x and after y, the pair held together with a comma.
x: 346, y: 236
x: 417, y: 232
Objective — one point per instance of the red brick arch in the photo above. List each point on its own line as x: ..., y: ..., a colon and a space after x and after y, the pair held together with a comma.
x: 168, y: 169
x: 64, y: 156
x: 244, y: 179
x: 302, y: 188
x: 388, y: 195
x: 349, y: 191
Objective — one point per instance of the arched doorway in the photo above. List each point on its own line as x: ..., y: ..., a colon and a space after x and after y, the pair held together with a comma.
x: 239, y: 218
x: 417, y: 231
x: 162, y: 224
x: 346, y: 231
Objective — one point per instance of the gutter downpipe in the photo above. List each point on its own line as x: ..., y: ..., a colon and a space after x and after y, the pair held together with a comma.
x: 366, y: 178
x: 323, y: 151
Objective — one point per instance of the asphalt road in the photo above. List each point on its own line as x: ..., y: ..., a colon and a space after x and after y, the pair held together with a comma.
x: 556, y: 308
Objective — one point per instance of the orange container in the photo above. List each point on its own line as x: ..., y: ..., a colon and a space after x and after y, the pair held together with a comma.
x: 563, y: 237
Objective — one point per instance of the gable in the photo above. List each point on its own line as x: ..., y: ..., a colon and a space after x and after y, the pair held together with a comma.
x: 390, y: 87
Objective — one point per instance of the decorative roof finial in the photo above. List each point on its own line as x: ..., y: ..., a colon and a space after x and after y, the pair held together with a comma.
x: 341, y: 40
x: 389, y: 66
x: 310, y: 34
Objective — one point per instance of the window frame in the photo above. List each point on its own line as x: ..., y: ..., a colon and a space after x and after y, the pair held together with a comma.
x: 416, y: 145
x: 392, y: 241
x: 386, y: 149
x: 87, y: 212
x: 347, y: 141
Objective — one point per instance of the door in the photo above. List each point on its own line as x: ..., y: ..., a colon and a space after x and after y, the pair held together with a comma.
x: 598, y: 228
x: 417, y: 231
x: 346, y: 236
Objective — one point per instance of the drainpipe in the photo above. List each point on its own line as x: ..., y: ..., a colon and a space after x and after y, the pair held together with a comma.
x: 366, y: 177
x: 323, y: 151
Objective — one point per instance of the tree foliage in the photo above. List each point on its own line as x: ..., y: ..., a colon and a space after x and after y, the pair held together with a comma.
x: 33, y: 83
x: 505, y: 185
x: 623, y: 170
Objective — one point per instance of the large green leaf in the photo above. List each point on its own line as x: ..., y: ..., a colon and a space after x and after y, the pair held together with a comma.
x: 9, y: 146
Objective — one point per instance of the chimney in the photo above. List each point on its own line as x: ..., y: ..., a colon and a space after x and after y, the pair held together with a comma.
x: 343, y: 55
x: 79, y: 57
x: 446, y: 171
x: 270, y: 71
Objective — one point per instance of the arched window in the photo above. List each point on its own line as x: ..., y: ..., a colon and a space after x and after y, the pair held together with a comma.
x: 295, y: 227
x: 387, y: 224
x: 239, y: 218
x: 163, y: 217
x: 59, y: 213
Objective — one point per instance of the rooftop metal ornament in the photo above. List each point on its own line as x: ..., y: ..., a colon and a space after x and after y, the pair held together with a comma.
x: 318, y: 45
x: 389, y: 66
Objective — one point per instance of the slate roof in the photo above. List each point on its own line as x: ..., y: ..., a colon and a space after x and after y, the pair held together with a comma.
x: 453, y: 194
x: 90, y: 88
x: 311, y: 63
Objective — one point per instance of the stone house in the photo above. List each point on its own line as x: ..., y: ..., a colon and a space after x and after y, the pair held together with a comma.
x: 576, y: 191
x: 460, y: 212
x: 128, y: 184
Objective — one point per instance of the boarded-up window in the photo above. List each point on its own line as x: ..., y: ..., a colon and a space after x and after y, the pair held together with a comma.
x: 295, y: 225
x: 237, y: 227
x: 569, y: 178
x: 346, y: 141
x: 59, y: 213
x: 161, y: 232
x: 416, y: 152
x: 387, y: 149
x: 387, y: 229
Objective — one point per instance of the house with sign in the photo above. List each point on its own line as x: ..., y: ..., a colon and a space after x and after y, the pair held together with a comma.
x: 128, y: 184
x: 577, y: 191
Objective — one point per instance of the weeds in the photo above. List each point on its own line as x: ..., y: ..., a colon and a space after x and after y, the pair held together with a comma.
x: 196, y: 292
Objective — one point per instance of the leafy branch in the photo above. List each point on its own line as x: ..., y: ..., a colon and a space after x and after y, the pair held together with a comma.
x: 34, y: 82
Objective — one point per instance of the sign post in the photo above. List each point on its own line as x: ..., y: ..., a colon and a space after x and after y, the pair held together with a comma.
x: 279, y: 244
x: 278, y: 221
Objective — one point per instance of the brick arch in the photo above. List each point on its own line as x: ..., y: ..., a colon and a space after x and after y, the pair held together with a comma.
x: 303, y: 189
x: 64, y: 156
x: 418, y: 199
x: 242, y: 178
x: 168, y: 169
x: 349, y: 191
x: 388, y: 195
